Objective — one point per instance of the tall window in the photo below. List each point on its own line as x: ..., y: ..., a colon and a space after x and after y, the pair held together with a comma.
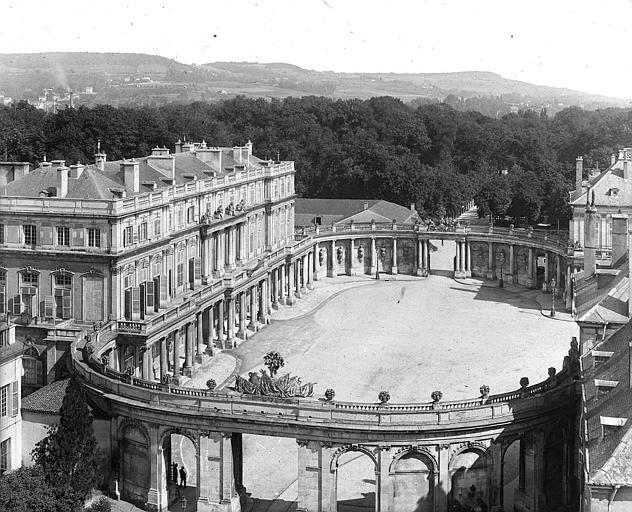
x: 32, y: 365
x: 180, y: 269
x: 94, y: 237
x: 191, y: 214
x: 63, y: 235
x: 5, y: 456
x: 1, y: 233
x: 30, y: 234
x: 28, y: 293
x: 157, y: 227
x: 63, y: 296
x: 3, y: 291
x: 9, y: 399
x: 142, y: 231
x: 128, y: 236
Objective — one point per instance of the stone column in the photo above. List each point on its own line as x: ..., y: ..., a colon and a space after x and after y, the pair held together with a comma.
x: 315, y: 261
x: 530, y: 269
x: 382, y: 479
x: 310, y: 464
x: 262, y: 303
x: 460, y: 260
x: 241, y: 333
x: 282, y: 284
x: 164, y: 361
x: 328, y: 479
x: 304, y: 271
x: 353, y: 267
x: 310, y: 270
x: 216, y: 251
x: 331, y: 263
x: 230, y: 307
x: 512, y: 265
x: 534, y: 471
x: 211, y: 329
x: 468, y: 259
x: 220, y: 324
x: 176, y: 356
x: 373, y: 267
x: 558, y: 274
x: 547, y: 276
x: 157, y: 498
x: 199, y: 356
x: 419, y: 262
x: 442, y: 483
x: 188, y: 350
x: 253, y: 308
x: 216, y: 491
x: 394, y: 266
x: 147, y: 364
x: 495, y: 476
x: 274, y: 281
x: 291, y: 297
x: 490, y: 261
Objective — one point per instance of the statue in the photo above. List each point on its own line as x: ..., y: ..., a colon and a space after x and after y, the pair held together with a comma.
x: 266, y: 385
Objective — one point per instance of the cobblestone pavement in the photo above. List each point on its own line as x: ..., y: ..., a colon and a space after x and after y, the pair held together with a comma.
x: 408, y: 336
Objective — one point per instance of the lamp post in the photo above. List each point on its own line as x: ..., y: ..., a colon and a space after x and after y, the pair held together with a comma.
x: 183, y: 503
x: 553, y: 290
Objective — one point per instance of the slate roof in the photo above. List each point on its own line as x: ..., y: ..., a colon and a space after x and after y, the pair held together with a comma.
x: 344, y: 210
x: 47, y: 399
x: 10, y: 352
x: 609, y: 458
x: 603, y: 185
x: 612, y: 306
x: 101, y: 184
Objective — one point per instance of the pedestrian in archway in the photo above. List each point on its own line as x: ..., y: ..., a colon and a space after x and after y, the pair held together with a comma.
x: 174, y: 474
x: 183, y: 476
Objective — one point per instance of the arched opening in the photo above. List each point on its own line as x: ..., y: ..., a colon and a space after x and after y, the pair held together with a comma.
x: 180, y: 470
x: 355, y: 482
x: 554, y: 469
x: 468, y: 471
x: 511, y: 474
x: 134, y: 476
x: 413, y: 479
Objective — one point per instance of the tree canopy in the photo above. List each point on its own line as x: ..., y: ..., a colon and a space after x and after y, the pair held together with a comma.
x: 431, y: 155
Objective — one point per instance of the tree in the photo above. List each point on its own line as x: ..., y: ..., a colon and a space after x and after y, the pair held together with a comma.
x: 26, y: 490
x: 494, y: 197
x: 274, y: 361
x: 69, y: 455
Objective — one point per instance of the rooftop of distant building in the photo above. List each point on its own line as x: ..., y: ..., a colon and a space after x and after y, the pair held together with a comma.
x: 325, y: 212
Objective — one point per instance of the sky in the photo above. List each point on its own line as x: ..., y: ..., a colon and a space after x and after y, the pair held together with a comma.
x: 577, y: 44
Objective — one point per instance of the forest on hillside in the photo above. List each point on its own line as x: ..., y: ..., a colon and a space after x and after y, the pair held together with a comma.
x: 432, y: 155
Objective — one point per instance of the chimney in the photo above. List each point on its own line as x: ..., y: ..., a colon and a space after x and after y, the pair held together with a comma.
x: 627, y: 168
x: 412, y: 207
x: 619, y: 237
x: 245, y: 156
x: 76, y: 170
x: 187, y: 147
x: 164, y: 164
x: 99, y: 157
x: 130, y: 169
x: 203, y: 144
x: 249, y: 146
x: 613, y: 159
x: 178, y: 148
x: 579, y: 170
x: 591, y: 223
x: 58, y: 163
x: 62, y: 181
x: 163, y: 151
x: 212, y: 157
x: 237, y: 154
x: 366, y: 205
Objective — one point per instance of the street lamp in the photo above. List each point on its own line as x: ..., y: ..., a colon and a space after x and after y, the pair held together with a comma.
x: 183, y: 503
x: 553, y: 290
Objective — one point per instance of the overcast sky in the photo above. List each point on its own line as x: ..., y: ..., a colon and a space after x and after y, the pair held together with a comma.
x: 578, y: 44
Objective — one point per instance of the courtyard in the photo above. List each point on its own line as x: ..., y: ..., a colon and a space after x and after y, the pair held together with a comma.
x: 408, y: 336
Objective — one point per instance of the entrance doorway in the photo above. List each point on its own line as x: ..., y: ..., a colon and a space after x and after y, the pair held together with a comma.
x: 180, y: 478
x: 355, y: 482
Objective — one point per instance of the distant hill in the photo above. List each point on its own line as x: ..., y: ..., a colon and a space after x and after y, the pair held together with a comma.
x: 131, y: 78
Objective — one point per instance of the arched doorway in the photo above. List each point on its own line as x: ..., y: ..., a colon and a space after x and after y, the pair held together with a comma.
x: 555, y: 469
x: 511, y: 474
x: 413, y: 476
x: 468, y: 473
x: 356, y: 482
x: 134, y: 461
x: 179, y: 460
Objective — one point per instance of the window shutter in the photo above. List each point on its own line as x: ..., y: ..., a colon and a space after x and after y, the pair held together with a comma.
x: 17, y: 304
x: 78, y: 237
x: 16, y: 398
x: 128, y: 304
x: 12, y: 234
x: 47, y: 235
x: 3, y: 300
x: 66, y: 305
x: 197, y: 263
x: 143, y: 298
x: 157, y: 292
x: 164, y: 290
x: 135, y: 303
x: 149, y: 296
x: 40, y: 373
x: 49, y: 306
x: 191, y: 270
x: 135, y: 237
x: 150, y: 229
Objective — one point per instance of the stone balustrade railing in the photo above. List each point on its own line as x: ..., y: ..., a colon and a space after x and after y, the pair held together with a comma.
x: 310, y: 410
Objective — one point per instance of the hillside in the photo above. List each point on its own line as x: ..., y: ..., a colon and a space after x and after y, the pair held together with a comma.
x: 132, y: 79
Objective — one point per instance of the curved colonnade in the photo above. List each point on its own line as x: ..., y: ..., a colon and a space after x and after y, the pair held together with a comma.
x: 426, y: 456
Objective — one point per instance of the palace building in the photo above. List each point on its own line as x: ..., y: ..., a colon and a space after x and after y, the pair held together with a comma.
x: 169, y: 250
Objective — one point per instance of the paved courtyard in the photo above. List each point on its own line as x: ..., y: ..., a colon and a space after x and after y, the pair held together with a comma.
x: 409, y: 336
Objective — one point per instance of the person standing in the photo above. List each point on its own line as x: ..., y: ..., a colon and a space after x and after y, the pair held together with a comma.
x: 174, y: 474
x: 183, y: 476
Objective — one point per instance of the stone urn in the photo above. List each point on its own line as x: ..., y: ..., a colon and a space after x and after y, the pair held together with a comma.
x: 484, y: 389
x: 330, y: 394
x: 436, y: 398
x: 524, y: 382
x: 383, y: 397
x: 211, y: 384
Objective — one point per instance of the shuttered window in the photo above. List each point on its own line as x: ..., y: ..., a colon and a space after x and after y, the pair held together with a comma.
x: 149, y: 297
x: 128, y: 236
x: 5, y: 456
x: 1, y: 233
x: 78, y: 237
x: 30, y: 234
x: 135, y: 302
x: 94, y: 237
x: 93, y: 299
x: 15, y: 402
x: 63, y: 235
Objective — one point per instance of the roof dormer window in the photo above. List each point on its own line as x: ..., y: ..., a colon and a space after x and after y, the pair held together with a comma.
x: 605, y: 386
x: 600, y: 357
x: 613, y: 191
x: 610, y: 425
